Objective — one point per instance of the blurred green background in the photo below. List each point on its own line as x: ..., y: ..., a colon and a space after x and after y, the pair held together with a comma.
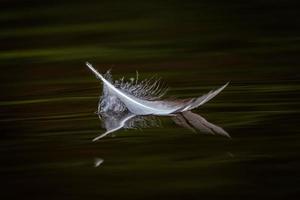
x: 49, y: 97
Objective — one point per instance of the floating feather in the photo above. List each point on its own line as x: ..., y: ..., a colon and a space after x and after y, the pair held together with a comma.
x: 141, y: 98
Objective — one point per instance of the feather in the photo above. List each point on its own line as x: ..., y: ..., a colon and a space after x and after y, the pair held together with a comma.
x: 139, y: 99
x: 134, y: 104
x: 202, y: 100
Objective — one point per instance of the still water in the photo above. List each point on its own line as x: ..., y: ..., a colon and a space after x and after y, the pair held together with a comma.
x: 49, y: 99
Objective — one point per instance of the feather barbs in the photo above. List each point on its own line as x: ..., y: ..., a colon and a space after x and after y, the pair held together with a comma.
x: 143, y: 98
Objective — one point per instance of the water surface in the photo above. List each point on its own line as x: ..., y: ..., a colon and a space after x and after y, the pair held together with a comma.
x: 49, y: 99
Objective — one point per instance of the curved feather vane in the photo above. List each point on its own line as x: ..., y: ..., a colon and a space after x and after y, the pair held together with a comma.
x: 131, y: 96
x: 134, y: 104
x: 196, y: 102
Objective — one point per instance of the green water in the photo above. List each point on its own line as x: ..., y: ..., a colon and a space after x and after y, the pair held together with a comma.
x: 49, y: 98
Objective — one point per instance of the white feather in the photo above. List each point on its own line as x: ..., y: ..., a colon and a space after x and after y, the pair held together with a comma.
x: 203, y: 99
x: 139, y: 106
x: 135, y: 105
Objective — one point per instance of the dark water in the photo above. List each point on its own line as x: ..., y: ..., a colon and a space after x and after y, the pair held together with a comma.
x: 48, y: 99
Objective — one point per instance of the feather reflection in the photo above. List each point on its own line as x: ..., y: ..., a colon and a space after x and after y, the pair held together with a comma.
x: 113, y: 121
